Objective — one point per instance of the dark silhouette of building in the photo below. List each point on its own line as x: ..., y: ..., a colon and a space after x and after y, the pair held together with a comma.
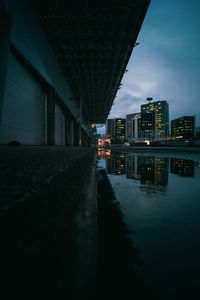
x: 110, y: 128
x: 147, y: 125
x: 183, y: 128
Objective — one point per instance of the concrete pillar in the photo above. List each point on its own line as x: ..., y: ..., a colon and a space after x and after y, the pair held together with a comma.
x: 68, y: 139
x: 51, y: 116
x: 72, y: 132
x: 80, y: 122
x: 76, y: 132
x: 5, y: 34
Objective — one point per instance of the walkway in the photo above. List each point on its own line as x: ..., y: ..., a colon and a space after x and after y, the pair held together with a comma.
x: 48, y: 220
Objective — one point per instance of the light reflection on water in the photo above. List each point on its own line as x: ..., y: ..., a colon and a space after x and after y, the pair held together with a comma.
x: 159, y: 198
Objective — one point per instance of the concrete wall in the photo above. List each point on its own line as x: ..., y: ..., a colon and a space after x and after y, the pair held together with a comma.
x: 26, y: 36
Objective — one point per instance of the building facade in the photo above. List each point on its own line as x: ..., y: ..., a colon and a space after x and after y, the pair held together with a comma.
x: 183, y: 128
x: 110, y: 128
x: 119, y: 129
x: 133, y: 126
x: 160, y: 109
x: 147, y: 125
x: 116, y: 128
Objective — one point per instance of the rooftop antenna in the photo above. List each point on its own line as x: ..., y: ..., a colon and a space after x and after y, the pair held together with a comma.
x: 149, y: 99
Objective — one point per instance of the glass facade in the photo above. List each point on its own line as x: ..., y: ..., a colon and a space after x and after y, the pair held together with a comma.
x: 183, y: 128
x: 161, y: 117
x: 119, y: 128
x: 147, y: 124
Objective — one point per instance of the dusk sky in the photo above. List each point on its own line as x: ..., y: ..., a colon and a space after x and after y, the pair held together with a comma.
x: 166, y: 63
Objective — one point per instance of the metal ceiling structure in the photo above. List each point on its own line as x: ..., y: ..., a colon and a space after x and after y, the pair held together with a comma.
x: 93, y: 41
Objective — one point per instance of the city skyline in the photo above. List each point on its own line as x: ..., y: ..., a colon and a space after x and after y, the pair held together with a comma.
x: 166, y: 63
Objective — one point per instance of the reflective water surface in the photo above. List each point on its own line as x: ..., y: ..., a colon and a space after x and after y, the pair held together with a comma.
x: 159, y: 197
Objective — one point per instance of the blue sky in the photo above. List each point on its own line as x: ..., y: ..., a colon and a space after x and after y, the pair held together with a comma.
x: 166, y: 63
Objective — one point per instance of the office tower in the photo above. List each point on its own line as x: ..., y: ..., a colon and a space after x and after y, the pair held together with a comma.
x: 119, y: 128
x: 183, y: 128
x: 148, y: 125
x: 110, y: 128
x: 116, y: 128
x: 160, y: 109
x: 133, y: 126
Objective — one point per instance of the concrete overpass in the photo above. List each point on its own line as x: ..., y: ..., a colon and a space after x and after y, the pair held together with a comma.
x: 61, y: 65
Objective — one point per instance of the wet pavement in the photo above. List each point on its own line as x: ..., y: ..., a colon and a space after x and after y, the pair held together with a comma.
x: 48, y: 221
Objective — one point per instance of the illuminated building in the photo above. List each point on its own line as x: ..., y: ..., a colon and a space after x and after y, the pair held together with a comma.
x: 119, y: 129
x: 116, y: 128
x: 110, y: 128
x: 183, y: 128
x: 133, y: 122
x: 183, y: 167
x: 160, y: 117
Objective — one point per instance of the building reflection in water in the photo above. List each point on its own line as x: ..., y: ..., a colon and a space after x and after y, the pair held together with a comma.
x: 150, y: 170
x: 116, y: 165
x: 183, y: 167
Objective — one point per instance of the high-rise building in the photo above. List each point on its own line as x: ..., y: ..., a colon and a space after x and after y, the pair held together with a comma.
x: 160, y: 114
x: 110, y: 128
x: 183, y: 128
x: 116, y: 128
x: 119, y: 128
x: 133, y: 126
x: 147, y: 124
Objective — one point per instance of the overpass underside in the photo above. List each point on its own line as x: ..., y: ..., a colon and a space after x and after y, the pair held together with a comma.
x: 61, y: 64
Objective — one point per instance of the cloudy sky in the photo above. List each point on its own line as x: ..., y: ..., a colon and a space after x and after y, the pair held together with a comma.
x: 166, y: 64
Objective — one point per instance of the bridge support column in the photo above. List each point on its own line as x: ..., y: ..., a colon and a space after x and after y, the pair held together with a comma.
x: 68, y: 134
x: 76, y: 131
x: 51, y: 116
x: 5, y: 33
x: 72, y: 132
x: 80, y: 122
